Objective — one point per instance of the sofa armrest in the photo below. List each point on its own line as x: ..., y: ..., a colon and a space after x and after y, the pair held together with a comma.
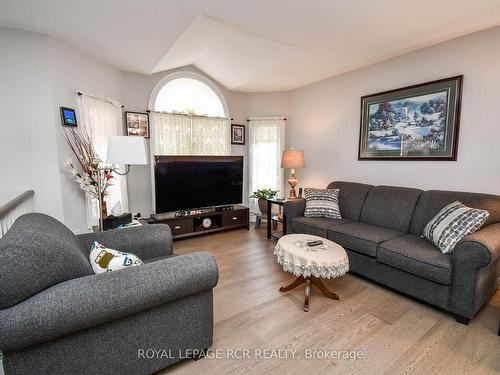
x: 475, y: 270
x: 488, y: 239
x: 292, y: 209
x: 146, y: 241
x: 97, y: 299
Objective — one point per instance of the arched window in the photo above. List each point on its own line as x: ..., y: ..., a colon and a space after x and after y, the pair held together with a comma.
x: 188, y: 93
x: 189, y: 96
x: 189, y: 117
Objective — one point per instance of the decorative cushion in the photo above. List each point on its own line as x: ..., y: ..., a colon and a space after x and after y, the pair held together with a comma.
x: 452, y: 223
x: 322, y: 203
x: 104, y: 259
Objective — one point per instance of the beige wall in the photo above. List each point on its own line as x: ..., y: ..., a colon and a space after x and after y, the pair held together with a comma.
x: 326, y: 119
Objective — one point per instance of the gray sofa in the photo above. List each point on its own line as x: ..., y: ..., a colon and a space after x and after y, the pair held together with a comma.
x: 380, y: 230
x: 58, y: 317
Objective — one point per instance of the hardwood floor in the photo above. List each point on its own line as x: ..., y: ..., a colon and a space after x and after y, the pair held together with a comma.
x: 394, y: 333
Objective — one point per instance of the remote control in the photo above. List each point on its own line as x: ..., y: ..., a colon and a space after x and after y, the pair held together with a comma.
x: 314, y: 243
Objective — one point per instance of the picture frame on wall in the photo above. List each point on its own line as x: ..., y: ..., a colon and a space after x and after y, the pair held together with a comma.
x: 237, y: 134
x: 137, y: 124
x: 419, y: 122
x: 68, y: 117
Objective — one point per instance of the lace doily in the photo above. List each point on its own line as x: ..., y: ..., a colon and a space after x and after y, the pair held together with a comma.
x: 328, y: 260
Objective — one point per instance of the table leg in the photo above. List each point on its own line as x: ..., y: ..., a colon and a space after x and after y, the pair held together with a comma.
x: 307, y: 288
x: 307, y: 292
x: 319, y: 284
x: 298, y: 281
x: 269, y: 219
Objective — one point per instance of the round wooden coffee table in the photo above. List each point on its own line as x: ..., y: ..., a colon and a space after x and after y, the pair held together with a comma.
x: 311, y: 263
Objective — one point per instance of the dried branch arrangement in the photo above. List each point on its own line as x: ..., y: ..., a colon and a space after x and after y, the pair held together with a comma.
x: 86, y: 172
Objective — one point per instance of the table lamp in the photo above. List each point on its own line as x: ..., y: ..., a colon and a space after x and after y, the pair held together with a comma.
x: 293, y: 159
x: 126, y: 150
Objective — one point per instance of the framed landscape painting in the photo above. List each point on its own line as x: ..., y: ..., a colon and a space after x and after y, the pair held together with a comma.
x: 417, y: 122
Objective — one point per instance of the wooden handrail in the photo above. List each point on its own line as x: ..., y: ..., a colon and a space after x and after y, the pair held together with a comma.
x: 12, y: 204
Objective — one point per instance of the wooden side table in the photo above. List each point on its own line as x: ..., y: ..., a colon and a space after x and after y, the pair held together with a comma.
x: 278, y: 218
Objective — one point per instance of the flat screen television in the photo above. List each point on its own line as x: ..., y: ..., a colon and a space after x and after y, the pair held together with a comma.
x: 187, y: 182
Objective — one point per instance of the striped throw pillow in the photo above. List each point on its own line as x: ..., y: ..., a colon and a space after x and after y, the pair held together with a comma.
x: 452, y: 223
x: 322, y: 203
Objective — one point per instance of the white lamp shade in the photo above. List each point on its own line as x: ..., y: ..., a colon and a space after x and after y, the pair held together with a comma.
x: 126, y: 150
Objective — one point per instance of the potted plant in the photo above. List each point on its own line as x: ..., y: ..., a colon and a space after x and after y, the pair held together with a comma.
x: 262, y: 195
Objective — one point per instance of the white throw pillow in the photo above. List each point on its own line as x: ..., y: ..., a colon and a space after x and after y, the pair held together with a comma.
x: 452, y: 223
x: 322, y: 203
x: 104, y: 259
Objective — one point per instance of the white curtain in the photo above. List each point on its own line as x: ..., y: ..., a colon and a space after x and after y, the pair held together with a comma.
x: 103, y: 118
x: 174, y: 134
x: 266, y: 145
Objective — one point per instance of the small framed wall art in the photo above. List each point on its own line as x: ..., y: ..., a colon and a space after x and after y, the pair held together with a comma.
x: 137, y: 124
x: 237, y: 134
x: 68, y: 117
x: 419, y: 122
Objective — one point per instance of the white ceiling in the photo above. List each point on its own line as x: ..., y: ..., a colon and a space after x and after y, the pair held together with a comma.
x: 249, y: 45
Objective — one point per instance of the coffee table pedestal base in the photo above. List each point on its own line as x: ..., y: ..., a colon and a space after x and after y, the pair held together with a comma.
x: 307, y: 288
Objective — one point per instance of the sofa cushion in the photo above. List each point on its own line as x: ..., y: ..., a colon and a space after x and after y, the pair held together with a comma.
x: 390, y: 207
x: 418, y: 256
x: 432, y: 201
x: 352, y: 196
x: 36, y: 253
x: 316, y: 226
x: 361, y: 237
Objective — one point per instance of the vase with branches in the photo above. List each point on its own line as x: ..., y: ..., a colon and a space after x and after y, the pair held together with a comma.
x: 87, y: 171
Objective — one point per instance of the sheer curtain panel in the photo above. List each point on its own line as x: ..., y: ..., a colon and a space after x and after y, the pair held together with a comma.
x: 176, y: 134
x: 170, y: 134
x: 103, y: 118
x: 266, y: 144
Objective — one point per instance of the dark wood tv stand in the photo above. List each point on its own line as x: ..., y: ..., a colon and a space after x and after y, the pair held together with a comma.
x: 188, y: 226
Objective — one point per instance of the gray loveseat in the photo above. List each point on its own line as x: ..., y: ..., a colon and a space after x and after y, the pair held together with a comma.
x: 380, y: 230
x: 58, y: 317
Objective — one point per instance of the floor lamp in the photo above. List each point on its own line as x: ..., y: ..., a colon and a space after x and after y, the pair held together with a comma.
x: 124, y: 150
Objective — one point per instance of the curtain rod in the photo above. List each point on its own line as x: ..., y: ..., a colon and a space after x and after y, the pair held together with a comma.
x: 266, y: 118
x: 185, y: 115
x: 96, y: 97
